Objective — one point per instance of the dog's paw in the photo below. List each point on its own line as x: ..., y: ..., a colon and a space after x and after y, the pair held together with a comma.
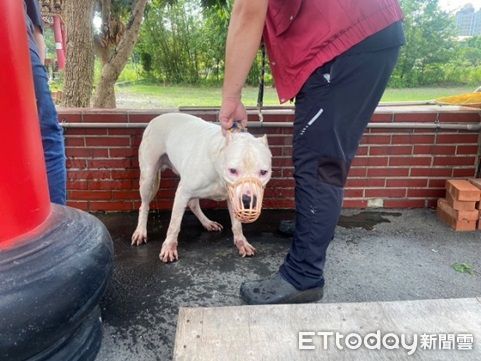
x: 139, y: 237
x: 212, y: 226
x: 169, y: 253
x: 245, y: 248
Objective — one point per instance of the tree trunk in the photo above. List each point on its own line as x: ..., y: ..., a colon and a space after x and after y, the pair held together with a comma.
x: 79, y: 69
x: 105, y: 92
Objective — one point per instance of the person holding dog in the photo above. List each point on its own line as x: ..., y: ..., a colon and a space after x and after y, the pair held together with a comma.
x: 334, y: 57
x: 51, y: 130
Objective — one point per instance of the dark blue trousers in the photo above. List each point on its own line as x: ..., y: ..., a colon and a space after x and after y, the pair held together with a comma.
x: 332, y: 111
x: 52, y: 133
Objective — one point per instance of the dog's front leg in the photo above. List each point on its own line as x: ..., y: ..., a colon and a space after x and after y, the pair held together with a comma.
x: 169, y: 253
x: 240, y: 241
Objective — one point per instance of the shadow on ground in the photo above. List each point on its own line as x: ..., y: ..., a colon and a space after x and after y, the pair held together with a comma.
x: 375, y: 256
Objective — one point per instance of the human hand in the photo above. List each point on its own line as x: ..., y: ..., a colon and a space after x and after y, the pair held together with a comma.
x: 232, y: 110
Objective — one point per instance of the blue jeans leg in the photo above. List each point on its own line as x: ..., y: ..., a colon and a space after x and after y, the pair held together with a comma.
x: 52, y: 133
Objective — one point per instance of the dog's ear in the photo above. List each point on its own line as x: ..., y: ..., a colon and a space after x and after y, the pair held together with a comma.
x: 263, y: 139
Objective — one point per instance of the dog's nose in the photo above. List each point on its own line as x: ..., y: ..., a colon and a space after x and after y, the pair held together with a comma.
x: 246, y: 201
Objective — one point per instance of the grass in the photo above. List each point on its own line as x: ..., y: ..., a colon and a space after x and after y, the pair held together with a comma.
x: 158, y: 96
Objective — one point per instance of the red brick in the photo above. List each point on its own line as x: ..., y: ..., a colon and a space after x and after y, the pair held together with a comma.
x: 436, y: 183
x: 369, y: 161
x: 88, y: 174
x: 464, y: 172
x: 277, y: 151
x: 431, y: 172
x: 69, y: 116
x: 460, y: 215
x: 357, y: 172
x: 435, y: 149
x: 413, y: 139
x: 362, y: 151
x: 125, y: 174
x: 74, y: 163
x: 457, y: 225
x: 141, y: 118
x: 280, y: 182
x: 414, y: 161
x: 385, y: 193
x: 282, y: 162
x: 110, y: 184
x: 123, y: 152
x: 353, y: 193
x: 287, y: 151
x: 406, y: 182
x: 277, y: 203
x: 83, y: 205
x: 456, y: 138
x: 454, y: 161
x: 90, y: 195
x: 382, y: 118
x: 87, y: 152
x: 426, y: 193
x: 86, y: 131
x: 111, y: 206
x: 404, y: 203
x: 134, y: 195
x: 415, y: 117
x: 103, y: 116
x: 467, y: 149
x: 459, y: 205
x: 109, y: 163
x: 387, y: 172
x: 77, y: 185
x: 376, y: 139
x: 107, y: 141
x: 462, y: 190
x: 126, y: 131
x: 354, y: 203
x: 391, y: 150
x: 458, y: 117
x: 279, y: 140
x: 74, y: 141
x: 365, y: 182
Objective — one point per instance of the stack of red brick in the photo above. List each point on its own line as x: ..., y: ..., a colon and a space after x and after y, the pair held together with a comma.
x: 461, y: 207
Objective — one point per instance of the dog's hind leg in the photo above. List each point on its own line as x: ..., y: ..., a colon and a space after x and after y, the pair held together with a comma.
x: 148, y: 187
x: 206, y: 222
x: 169, y: 253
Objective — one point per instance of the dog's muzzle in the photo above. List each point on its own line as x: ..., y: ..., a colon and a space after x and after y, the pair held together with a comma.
x: 246, y: 196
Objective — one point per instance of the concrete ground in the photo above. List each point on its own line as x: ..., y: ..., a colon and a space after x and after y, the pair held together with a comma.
x: 375, y: 256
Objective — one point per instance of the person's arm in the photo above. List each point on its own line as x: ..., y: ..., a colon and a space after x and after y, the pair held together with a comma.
x: 243, y: 39
x: 40, y: 40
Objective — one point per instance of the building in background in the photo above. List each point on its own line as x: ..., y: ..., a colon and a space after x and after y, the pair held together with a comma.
x: 468, y: 21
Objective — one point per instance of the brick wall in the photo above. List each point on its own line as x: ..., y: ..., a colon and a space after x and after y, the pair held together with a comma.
x: 394, y: 168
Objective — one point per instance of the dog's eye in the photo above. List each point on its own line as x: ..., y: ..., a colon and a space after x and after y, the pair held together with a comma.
x: 263, y: 172
x: 233, y: 171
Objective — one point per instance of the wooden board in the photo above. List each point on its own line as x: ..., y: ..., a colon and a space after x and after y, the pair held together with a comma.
x: 272, y: 332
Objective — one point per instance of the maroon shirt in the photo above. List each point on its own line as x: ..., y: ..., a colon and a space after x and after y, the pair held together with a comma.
x: 302, y: 35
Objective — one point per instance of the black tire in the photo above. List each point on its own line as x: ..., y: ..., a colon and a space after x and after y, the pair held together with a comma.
x: 50, y: 286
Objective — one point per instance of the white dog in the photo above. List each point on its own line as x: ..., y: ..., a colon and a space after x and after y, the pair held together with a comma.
x: 208, y: 163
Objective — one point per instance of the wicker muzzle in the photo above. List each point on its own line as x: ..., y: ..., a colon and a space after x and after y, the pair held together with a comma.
x: 246, y: 196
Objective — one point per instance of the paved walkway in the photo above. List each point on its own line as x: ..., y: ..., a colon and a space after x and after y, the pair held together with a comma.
x: 376, y: 256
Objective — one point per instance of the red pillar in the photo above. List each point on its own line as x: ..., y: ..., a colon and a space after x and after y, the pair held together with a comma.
x: 24, y: 199
x: 59, y: 41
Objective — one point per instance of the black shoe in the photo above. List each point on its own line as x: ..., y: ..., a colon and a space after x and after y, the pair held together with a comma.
x: 287, y: 227
x: 276, y: 290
